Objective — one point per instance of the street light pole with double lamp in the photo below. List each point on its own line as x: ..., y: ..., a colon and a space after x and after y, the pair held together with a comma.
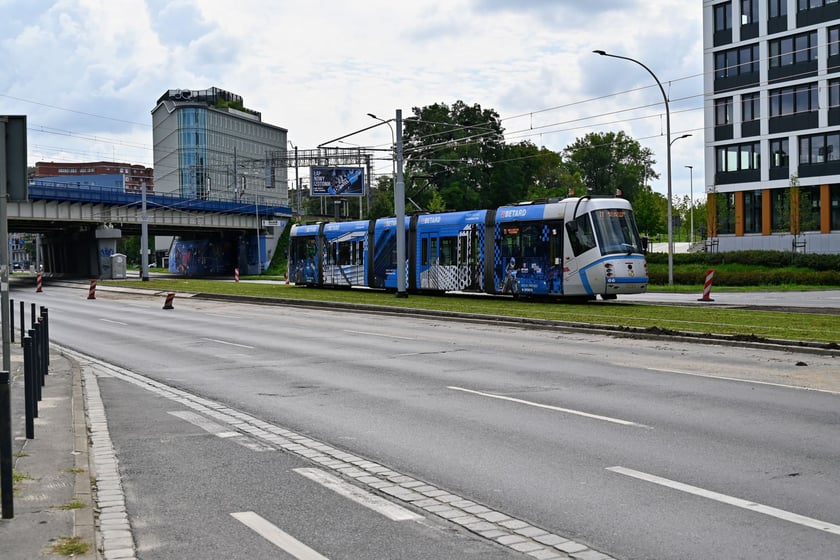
x: 668, y: 162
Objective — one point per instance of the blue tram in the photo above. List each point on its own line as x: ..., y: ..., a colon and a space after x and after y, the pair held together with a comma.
x: 575, y: 247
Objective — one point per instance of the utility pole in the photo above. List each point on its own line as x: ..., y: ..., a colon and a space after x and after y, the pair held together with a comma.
x: 4, y: 250
x: 399, y: 208
x: 144, y: 236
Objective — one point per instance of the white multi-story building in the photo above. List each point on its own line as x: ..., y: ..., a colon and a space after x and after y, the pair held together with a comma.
x: 208, y: 145
x: 772, y: 116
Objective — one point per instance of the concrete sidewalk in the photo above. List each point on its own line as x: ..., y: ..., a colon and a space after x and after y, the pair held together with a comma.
x: 53, y: 499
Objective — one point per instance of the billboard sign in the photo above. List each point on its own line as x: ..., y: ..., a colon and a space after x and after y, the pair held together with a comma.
x: 337, y: 181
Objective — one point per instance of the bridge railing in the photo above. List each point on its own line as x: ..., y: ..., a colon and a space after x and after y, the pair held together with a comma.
x: 95, y: 194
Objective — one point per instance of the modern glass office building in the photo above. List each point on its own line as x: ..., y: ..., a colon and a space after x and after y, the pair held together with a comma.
x: 772, y: 120
x: 207, y: 144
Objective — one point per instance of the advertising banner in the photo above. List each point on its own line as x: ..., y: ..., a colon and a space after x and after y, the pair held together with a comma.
x: 337, y: 181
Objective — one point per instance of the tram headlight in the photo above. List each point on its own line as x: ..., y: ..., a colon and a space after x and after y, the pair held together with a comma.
x: 608, y: 269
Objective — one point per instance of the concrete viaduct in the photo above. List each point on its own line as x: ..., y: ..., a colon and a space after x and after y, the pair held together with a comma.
x: 79, y: 226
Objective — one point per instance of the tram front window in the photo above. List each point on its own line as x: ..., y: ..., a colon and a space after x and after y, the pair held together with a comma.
x: 616, y: 231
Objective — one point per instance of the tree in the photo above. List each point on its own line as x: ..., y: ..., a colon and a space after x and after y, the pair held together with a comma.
x: 454, y: 149
x: 382, y: 198
x: 609, y: 163
x: 650, y: 209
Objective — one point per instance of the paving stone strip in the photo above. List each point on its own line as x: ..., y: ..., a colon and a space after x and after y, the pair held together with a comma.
x: 117, y: 543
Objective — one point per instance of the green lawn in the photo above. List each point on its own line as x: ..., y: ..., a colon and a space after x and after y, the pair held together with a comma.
x: 806, y: 327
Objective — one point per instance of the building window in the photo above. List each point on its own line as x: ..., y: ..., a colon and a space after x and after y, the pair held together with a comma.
x: 752, y: 211
x: 793, y: 50
x: 723, y: 17
x: 723, y: 111
x: 834, y: 93
x: 834, y: 196
x: 749, y: 11
x: 736, y: 62
x: 819, y: 148
x: 780, y: 210
x: 805, y: 5
x: 777, y: 8
x: 725, y: 212
x: 809, y: 208
x: 739, y: 157
x: 796, y: 99
x: 779, y: 153
x: 750, y: 106
x: 833, y: 41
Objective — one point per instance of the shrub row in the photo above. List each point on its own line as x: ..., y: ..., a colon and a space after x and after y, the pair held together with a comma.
x: 750, y: 278
x: 772, y: 259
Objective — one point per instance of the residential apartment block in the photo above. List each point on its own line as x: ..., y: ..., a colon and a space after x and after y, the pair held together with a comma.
x: 772, y: 120
x: 134, y: 176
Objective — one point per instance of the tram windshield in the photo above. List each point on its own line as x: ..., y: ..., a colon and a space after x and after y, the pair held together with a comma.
x: 616, y: 231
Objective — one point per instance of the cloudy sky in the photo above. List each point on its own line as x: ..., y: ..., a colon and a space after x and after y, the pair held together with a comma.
x: 87, y: 73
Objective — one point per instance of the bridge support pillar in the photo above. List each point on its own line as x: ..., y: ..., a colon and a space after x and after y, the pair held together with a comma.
x: 106, y: 240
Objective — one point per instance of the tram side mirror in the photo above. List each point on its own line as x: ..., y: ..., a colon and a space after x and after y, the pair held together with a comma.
x: 645, y: 241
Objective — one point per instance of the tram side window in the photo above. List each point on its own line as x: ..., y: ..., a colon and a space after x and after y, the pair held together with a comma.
x: 448, y: 250
x: 305, y: 248
x: 531, y: 241
x: 510, y: 243
x: 580, y: 234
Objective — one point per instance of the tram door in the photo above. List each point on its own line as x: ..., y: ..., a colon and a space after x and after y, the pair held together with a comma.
x: 440, y: 258
x: 555, y: 257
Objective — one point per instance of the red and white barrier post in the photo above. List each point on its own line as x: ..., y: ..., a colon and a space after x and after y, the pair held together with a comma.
x: 236, y: 274
x: 170, y: 297
x: 707, y: 286
x: 92, y: 290
x: 39, y: 283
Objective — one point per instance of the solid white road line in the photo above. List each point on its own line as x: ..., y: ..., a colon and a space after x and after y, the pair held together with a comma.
x: 737, y: 502
x: 379, y: 334
x: 276, y: 536
x: 741, y: 380
x: 220, y: 431
x: 204, y: 423
x: 114, y: 322
x: 379, y: 505
x: 556, y: 408
x: 228, y: 343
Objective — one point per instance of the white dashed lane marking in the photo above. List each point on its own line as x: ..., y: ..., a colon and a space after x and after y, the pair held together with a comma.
x: 551, y: 407
x: 277, y: 536
x: 379, y: 505
x: 737, y: 502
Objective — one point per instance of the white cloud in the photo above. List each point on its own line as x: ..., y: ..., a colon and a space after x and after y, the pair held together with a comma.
x: 93, y: 69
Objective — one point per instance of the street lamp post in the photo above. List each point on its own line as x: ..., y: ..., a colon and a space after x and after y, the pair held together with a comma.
x: 399, y: 198
x: 393, y: 145
x: 691, y: 196
x: 297, y: 182
x: 668, y: 163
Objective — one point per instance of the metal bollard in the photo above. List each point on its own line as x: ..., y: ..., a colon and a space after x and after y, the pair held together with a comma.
x: 22, y: 316
x: 39, y: 361
x: 29, y: 389
x: 12, y: 320
x: 45, y: 314
x: 6, y: 480
x: 32, y: 315
x: 33, y: 358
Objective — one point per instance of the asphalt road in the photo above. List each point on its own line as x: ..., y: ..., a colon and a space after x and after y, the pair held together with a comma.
x: 636, y: 448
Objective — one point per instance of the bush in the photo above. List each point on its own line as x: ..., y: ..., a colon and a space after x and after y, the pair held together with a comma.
x: 778, y: 277
x: 770, y: 259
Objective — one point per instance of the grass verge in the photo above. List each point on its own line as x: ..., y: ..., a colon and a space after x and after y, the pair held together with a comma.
x: 805, y: 327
